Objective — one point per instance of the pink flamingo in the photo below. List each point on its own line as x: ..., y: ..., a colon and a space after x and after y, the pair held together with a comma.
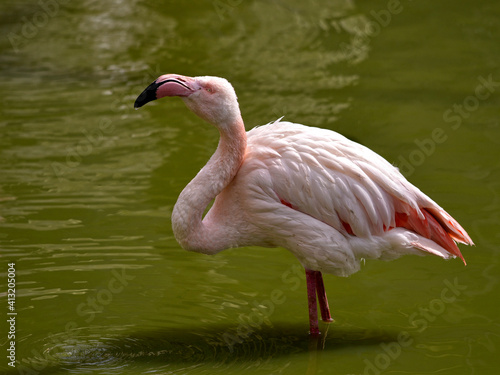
x: 330, y: 201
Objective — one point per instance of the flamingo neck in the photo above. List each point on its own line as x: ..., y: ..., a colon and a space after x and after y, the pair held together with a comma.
x: 188, y: 225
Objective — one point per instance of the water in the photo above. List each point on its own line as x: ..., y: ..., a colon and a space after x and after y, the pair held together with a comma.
x: 88, y: 184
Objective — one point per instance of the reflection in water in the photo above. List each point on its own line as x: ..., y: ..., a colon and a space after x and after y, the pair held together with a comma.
x: 334, y: 33
x: 110, y: 351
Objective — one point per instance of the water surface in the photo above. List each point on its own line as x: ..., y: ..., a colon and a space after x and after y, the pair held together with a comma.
x: 87, y: 184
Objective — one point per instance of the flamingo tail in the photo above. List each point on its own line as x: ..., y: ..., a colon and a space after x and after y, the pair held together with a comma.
x: 436, y: 225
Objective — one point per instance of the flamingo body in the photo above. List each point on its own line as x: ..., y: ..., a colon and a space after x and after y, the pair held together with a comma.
x: 330, y: 201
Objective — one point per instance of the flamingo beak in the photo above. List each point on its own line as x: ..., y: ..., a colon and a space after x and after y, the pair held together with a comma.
x: 167, y: 85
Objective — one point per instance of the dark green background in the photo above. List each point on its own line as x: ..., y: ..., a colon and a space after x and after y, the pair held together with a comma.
x: 87, y: 184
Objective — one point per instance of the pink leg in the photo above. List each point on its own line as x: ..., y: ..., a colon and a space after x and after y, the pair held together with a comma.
x: 311, y: 300
x: 323, y: 301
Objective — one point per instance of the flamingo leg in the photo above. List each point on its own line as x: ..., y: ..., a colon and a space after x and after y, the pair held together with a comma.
x: 316, y: 287
x: 311, y: 301
x: 323, y: 300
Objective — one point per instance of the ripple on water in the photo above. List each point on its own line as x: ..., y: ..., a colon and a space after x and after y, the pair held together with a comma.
x: 111, y: 350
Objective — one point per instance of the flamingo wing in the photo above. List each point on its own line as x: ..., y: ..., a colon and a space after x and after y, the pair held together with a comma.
x: 349, y: 187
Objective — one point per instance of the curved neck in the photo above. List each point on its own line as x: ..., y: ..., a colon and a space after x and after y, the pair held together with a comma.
x: 187, y: 216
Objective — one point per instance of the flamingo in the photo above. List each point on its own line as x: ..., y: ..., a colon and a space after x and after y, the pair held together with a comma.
x: 330, y: 201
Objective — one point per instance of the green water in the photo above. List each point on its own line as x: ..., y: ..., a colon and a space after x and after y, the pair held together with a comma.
x: 87, y: 184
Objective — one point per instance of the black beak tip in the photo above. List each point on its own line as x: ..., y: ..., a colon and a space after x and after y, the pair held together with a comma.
x: 146, y: 96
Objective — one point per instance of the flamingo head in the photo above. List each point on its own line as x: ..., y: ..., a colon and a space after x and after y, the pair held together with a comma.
x: 211, y: 98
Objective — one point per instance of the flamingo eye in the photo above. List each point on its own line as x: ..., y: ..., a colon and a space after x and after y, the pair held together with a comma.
x: 209, y: 89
